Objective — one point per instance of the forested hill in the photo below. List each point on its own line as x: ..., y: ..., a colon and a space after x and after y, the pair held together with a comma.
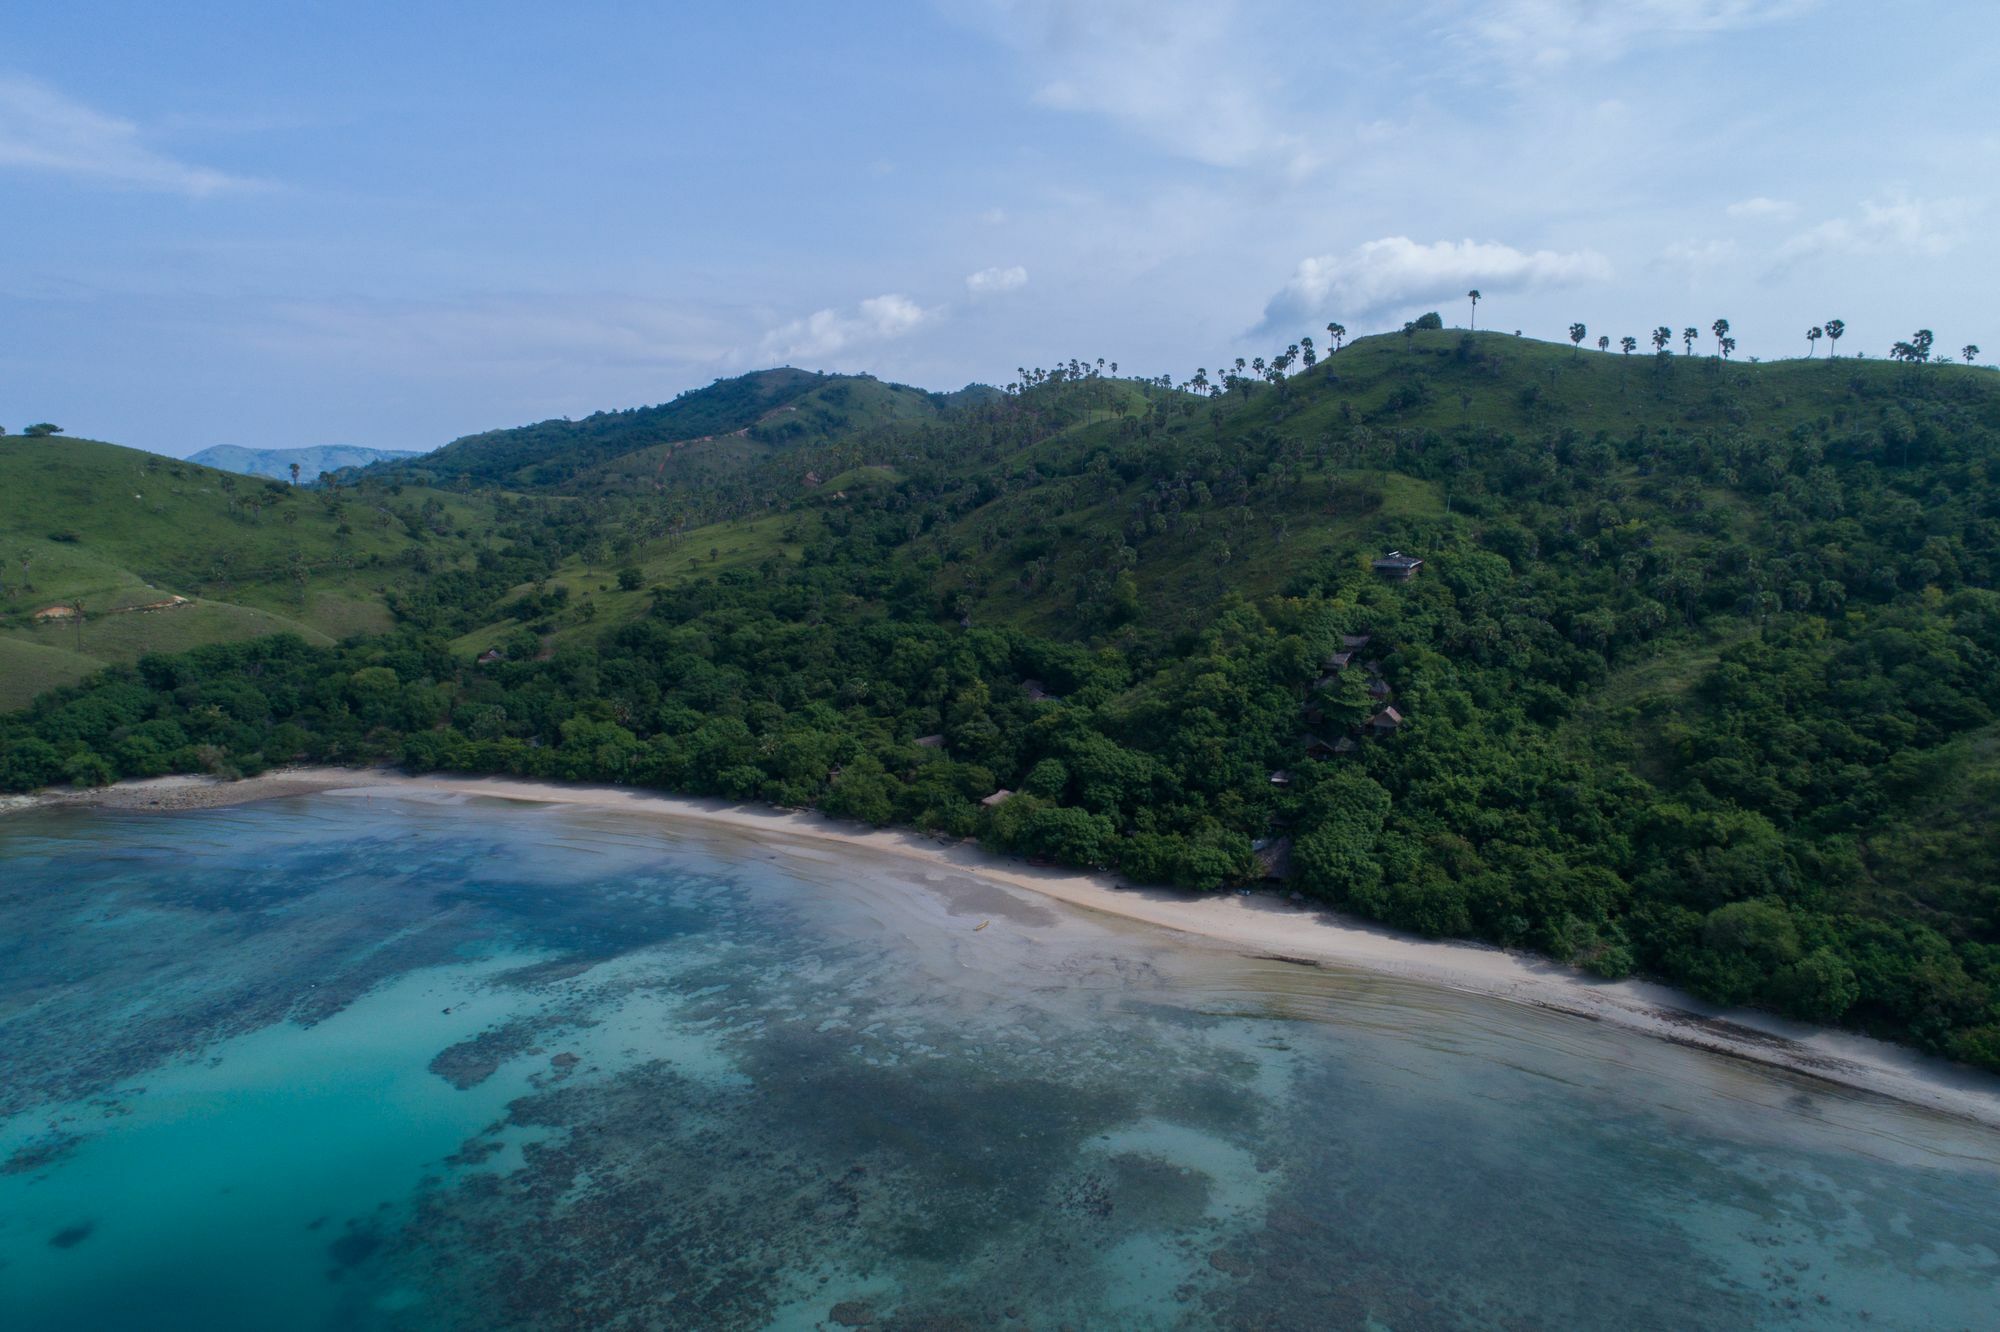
x: 739, y: 418
x: 1699, y: 676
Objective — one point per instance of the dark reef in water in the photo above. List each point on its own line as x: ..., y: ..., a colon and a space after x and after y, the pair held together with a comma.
x: 717, y: 1095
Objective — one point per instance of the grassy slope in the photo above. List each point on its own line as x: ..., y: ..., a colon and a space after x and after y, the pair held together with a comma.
x: 1347, y: 511
x: 1443, y: 380
x: 1584, y: 391
x: 727, y: 425
x: 115, y: 528
x: 831, y: 410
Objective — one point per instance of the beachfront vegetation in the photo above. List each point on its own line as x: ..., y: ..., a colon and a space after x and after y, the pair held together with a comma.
x: 1697, y: 678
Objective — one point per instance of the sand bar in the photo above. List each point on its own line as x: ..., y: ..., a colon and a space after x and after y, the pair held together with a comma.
x: 1256, y: 924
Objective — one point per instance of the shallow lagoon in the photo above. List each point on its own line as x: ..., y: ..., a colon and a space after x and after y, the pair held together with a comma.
x: 347, y: 1062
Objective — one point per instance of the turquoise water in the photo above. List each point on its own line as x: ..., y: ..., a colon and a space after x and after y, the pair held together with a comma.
x: 402, y: 1064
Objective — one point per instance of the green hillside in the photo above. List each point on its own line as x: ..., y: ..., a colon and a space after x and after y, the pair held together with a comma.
x: 1699, y: 677
x: 108, y: 553
x: 710, y: 431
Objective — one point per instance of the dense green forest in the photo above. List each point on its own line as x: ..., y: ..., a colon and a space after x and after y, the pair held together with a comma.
x: 1697, y: 679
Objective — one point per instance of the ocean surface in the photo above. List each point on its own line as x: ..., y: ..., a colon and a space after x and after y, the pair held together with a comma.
x: 395, y: 1063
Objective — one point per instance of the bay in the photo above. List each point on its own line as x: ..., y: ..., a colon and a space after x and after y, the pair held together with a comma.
x: 341, y: 1062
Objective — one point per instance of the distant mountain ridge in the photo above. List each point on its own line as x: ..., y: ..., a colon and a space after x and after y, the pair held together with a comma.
x: 736, y: 420
x: 277, y: 463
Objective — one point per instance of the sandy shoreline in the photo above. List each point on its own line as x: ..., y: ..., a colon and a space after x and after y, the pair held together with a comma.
x: 1261, y: 925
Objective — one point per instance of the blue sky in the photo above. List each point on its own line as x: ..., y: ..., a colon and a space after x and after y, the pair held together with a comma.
x: 278, y: 225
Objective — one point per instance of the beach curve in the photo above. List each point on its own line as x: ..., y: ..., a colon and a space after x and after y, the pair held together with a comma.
x: 1262, y: 925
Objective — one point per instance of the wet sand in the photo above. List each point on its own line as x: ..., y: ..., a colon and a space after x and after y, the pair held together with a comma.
x: 1256, y: 924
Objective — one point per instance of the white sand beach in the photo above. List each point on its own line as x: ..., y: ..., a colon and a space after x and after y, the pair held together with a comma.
x: 1256, y: 924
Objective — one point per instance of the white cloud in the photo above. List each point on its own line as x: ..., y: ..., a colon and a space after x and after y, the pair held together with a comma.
x: 1397, y: 271
x: 988, y: 281
x: 1903, y: 226
x: 1549, y: 34
x: 1183, y: 73
x: 827, y: 332
x: 42, y: 130
x: 1761, y: 209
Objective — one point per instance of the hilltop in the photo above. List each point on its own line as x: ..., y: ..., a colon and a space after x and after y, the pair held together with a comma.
x: 1699, y: 676
x: 277, y: 464
x: 715, y: 430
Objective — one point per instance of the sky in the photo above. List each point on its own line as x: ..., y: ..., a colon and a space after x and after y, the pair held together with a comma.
x: 390, y: 225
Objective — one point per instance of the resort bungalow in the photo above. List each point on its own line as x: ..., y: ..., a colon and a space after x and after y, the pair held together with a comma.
x: 1386, y: 722
x: 1398, y: 567
x: 1281, y: 778
x: 998, y: 798
x: 1353, y: 641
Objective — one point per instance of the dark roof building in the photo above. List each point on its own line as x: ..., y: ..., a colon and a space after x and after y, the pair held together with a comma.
x: 1398, y: 566
x: 1386, y: 721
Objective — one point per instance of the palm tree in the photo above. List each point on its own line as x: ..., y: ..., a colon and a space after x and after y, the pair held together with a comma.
x: 1970, y: 351
x: 1628, y: 344
x: 1661, y: 337
x: 1726, y: 346
x: 1473, y: 296
x: 1336, y: 332
x: 1306, y: 352
x: 1834, y: 328
x: 1813, y: 335
x: 1577, y: 333
x: 295, y: 473
x: 1688, y: 335
x: 1604, y: 342
x: 1721, y: 330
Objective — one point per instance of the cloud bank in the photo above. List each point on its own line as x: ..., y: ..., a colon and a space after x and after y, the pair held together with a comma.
x: 828, y: 332
x: 1184, y: 74
x: 1395, y: 272
x: 1549, y: 34
x: 1887, y: 226
x: 42, y: 130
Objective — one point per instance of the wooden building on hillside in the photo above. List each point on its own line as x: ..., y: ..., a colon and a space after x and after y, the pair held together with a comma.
x: 1386, y: 722
x: 1398, y: 567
